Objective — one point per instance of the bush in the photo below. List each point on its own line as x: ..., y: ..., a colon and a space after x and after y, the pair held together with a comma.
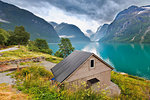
x: 4, y: 35
x: 39, y: 45
x: 48, y: 51
x: 32, y: 47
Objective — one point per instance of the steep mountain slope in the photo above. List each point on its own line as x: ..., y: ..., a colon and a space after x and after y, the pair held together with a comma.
x: 89, y: 33
x: 71, y: 31
x: 11, y: 16
x: 130, y: 25
x: 100, y: 33
x: 53, y: 24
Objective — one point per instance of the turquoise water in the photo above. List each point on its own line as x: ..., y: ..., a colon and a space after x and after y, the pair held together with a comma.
x: 133, y: 59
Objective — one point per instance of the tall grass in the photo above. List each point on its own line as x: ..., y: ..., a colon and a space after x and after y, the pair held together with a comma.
x: 9, y: 93
x: 35, y: 81
x: 132, y: 88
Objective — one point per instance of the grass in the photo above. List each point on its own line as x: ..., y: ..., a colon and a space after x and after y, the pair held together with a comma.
x: 34, y: 81
x: 9, y: 93
x: 24, y: 53
x: 132, y: 87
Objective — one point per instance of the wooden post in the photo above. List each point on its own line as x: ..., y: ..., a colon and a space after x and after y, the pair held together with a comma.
x: 17, y: 67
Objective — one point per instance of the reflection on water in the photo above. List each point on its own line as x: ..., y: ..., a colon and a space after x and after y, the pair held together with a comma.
x: 129, y: 58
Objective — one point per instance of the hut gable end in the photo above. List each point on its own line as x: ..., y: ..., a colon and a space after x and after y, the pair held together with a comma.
x: 85, y: 70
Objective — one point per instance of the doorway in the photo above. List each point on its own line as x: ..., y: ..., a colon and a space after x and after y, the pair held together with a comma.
x: 91, y: 82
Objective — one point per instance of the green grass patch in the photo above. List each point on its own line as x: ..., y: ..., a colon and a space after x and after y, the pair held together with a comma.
x: 24, y: 53
x: 132, y: 87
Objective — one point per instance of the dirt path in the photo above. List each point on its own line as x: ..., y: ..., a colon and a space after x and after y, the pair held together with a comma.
x: 7, y: 79
x: 9, y: 49
x: 48, y: 65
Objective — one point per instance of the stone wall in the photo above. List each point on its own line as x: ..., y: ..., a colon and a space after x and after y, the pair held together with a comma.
x: 35, y: 59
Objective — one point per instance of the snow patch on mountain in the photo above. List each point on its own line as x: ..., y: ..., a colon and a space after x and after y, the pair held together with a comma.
x: 4, y: 21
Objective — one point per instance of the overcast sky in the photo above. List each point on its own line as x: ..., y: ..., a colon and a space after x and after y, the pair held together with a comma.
x: 86, y: 14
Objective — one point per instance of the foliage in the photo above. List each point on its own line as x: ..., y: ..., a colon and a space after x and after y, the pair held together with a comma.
x: 48, y: 51
x: 19, y: 36
x: 32, y: 47
x: 58, y: 54
x: 65, y: 48
x: 34, y: 81
x: 23, y: 53
x: 132, y: 88
x: 39, y: 45
x: 4, y: 35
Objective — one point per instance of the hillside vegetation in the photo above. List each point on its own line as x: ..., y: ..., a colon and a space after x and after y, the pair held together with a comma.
x: 132, y: 87
x: 24, y: 53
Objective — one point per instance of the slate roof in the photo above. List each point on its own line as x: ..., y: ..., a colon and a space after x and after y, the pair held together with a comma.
x: 68, y: 65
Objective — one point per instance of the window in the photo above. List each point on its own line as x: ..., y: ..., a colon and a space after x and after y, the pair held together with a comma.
x: 92, y: 63
x: 91, y: 82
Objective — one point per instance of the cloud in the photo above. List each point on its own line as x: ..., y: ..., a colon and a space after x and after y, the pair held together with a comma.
x: 86, y: 14
x: 65, y: 36
x: 100, y: 10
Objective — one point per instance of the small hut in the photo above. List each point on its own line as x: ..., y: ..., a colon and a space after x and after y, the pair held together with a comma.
x: 82, y: 66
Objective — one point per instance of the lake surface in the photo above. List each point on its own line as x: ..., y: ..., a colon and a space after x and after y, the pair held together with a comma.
x: 133, y: 59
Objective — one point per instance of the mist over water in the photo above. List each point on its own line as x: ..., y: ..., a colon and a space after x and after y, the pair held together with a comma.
x: 133, y: 59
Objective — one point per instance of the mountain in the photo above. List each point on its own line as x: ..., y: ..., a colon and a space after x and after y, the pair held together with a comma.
x: 71, y: 31
x: 100, y: 33
x: 89, y: 33
x: 130, y: 25
x: 53, y: 24
x: 11, y: 16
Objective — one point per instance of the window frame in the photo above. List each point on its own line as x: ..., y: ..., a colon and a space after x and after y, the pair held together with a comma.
x: 93, y: 63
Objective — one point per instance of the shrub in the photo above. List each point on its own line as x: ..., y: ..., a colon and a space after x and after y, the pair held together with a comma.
x: 4, y: 35
x: 48, y: 51
x: 32, y: 47
x: 39, y: 45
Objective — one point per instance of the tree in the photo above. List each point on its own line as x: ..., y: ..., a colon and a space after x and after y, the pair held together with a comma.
x: 65, y: 48
x: 3, y: 37
x: 19, y: 36
x: 41, y: 44
x: 58, y: 54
